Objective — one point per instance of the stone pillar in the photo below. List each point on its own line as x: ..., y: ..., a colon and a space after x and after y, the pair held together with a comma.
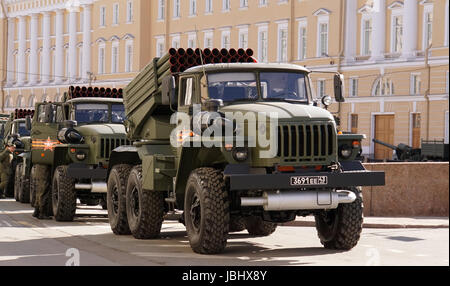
x: 409, y: 29
x: 86, y: 41
x: 46, y: 45
x: 59, y: 53
x: 378, y: 30
x: 34, y: 49
x: 10, y: 59
x: 350, y: 30
x: 22, y: 63
x: 73, y: 46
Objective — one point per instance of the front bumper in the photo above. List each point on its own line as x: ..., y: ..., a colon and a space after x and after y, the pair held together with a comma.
x: 246, y: 181
x: 83, y: 171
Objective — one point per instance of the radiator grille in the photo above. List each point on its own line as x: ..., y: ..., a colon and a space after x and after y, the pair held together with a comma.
x: 109, y: 144
x: 307, y: 142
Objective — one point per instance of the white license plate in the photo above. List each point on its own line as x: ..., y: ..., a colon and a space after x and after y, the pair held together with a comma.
x: 309, y: 181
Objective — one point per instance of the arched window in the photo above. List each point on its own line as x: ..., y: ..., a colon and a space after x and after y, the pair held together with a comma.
x: 44, y: 98
x: 31, y: 101
x: 383, y: 87
x: 19, y: 101
x: 8, y: 102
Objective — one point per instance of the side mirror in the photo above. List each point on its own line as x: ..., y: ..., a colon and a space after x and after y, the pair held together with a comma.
x: 338, y: 90
x: 28, y: 123
x: 70, y: 123
x: 168, y: 90
x: 212, y: 105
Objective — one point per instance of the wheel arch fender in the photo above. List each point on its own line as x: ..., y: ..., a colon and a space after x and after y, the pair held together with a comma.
x: 123, y: 155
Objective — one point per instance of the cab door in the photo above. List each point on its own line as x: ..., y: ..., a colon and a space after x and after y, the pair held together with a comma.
x: 44, y: 132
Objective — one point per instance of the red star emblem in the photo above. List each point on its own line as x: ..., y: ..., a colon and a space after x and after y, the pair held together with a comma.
x: 49, y: 145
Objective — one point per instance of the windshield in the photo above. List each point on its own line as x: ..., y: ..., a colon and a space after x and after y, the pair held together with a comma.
x: 92, y: 113
x: 23, y: 131
x: 118, y: 113
x: 239, y: 86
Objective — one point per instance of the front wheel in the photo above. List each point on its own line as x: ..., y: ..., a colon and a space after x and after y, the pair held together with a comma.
x: 145, y: 209
x: 206, y: 211
x: 22, y: 185
x: 64, y: 196
x: 116, y: 199
x: 256, y: 226
x: 341, y: 228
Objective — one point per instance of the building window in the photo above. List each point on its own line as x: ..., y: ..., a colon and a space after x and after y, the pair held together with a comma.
x: 176, y: 8
x: 243, y: 4
x: 321, y: 88
x: 115, y: 58
x: 263, y: 45
x: 353, y: 87
x: 383, y: 87
x: 283, y: 43
x: 208, y: 41
x: 446, y: 24
x: 102, y: 16
x: 101, y: 60
x: 116, y: 13
x: 208, y: 6
x: 160, y: 47
x: 354, y: 124
x: 366, y: 37
x: 226, y: 6
x: 415, y: 84
x: 192, y: 7
x: 243, y: 39
x: 129, y: 57
x: 129, y: 11
x: 192, y: 41
x: 428, y: 29
x: 226, y: 42
x: 263, y: 3
x: 397, y: 34
x: 302, y: 40
x: 446, y: 82
x: 323, y: 39
x: 161, y: 9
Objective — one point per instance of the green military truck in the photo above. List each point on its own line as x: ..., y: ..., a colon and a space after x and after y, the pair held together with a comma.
x: 16, y: 135
x: 71, y: 144
x: 224, y: 187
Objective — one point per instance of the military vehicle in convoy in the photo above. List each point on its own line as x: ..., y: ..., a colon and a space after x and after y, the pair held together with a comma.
x: 16, y: 135
x: 71, y: 144
x: 227, y: 184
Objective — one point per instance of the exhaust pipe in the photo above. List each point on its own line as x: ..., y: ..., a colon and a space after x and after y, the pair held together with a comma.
x: 95, y: 187
x: 299, y: 200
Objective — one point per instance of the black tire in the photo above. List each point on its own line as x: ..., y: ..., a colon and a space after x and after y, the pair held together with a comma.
x: 64, y: 196
x: 145, y: 209
x: 258, y: 227
x: 116, y: 199
x: 103, y: 202
x: 16, y: 186
x: 33, y: 187
x: 237, y: 224
x: 90, y: 202
x: 9, y: 190
x: 341, y: 228
x: 206, y: 210
x: 22, y: 185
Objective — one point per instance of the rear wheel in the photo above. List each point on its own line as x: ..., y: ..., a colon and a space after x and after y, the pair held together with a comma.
x: 256, y: 226
x: 206, y: 211
x: 341, y: 228
x: 16, y: 186
x: 116, y: 199
x: 237, y: 224
x: 33, y: 187
x: 145, y: 209
x: 64, y: 196
x: 22, y: 185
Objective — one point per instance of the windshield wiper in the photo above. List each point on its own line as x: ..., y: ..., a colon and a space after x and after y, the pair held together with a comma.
x: 285, y: 100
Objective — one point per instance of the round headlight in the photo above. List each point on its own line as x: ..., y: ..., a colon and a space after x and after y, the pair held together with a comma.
x: 326, y: 100
x: 81, y: 156
x: 240, y: 154
x: 346, y: 151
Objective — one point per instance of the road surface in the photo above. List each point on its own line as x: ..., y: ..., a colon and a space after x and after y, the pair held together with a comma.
x: 89, y: 241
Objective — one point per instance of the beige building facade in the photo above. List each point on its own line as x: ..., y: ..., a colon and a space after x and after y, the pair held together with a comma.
x: 394, y: 54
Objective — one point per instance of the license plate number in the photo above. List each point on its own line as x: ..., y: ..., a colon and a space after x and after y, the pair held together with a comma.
x: 309, y: 181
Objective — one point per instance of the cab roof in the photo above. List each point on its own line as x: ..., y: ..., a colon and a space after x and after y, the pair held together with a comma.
x: 246, y: 67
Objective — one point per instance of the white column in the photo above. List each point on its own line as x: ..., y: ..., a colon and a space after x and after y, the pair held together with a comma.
x: 86, y: 40
x: 22, y: 64
x: 73, y: 45
x: 10, y: 59
x: 378, y: 30
x: 409, y: 28
x: 350, y: 30
x: 46, y: 60
x: 34, y: 49
x: 59, y: 53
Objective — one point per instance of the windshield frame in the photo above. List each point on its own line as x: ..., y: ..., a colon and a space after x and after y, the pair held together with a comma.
x: 108, y: 104
x: 257, y: 72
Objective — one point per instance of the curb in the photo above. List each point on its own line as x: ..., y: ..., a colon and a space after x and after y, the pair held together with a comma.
x: 369, y: 225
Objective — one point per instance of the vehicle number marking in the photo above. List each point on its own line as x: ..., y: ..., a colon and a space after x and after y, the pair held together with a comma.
x: 309, y: 180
